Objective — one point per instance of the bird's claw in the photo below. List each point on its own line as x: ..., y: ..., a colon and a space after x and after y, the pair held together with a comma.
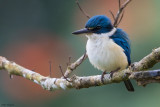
x: 102, y: 76
x: 112, y: 72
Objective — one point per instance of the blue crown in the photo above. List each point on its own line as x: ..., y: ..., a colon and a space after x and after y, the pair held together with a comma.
x: 99, y: 24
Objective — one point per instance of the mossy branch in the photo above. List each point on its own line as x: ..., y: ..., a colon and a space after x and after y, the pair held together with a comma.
x: 136, y: 72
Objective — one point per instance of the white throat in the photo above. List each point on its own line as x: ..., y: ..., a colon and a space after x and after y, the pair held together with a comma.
x: 111, y: 32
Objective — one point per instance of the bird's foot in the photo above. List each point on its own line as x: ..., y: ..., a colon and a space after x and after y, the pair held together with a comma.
x: 102, y: 76
x: 112, y: 72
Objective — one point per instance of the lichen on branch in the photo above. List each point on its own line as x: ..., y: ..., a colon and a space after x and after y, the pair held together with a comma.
x: 136, y: 72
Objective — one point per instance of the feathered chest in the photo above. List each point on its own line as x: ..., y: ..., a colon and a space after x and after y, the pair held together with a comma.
x: 105, y: 54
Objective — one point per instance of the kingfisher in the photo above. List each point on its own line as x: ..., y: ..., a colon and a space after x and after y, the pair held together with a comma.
x: 108, y: 47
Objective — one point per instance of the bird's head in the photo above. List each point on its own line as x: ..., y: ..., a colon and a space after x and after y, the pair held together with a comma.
x: 97, y: 24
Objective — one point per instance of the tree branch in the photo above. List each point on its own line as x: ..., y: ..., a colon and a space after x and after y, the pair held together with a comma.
x: 147, y: 62
x: 121, y: 8
x: 82, y: 10
x: 146, y: 77
x: 133, y: 72
x: 74, y: 65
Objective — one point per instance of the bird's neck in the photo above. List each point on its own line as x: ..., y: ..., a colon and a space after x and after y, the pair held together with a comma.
x: 95, y: 36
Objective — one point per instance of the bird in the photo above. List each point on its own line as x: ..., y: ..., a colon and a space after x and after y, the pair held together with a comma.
x: 108, y: 47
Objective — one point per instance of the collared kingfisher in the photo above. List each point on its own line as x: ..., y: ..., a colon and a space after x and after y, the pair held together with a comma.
x: 108, y: 48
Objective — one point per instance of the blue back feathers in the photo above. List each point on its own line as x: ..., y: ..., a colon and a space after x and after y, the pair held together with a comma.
x: 121, y: 38
x: 99, y: 23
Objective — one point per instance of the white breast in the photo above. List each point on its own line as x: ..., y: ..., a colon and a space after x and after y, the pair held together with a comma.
x: 104, y: 54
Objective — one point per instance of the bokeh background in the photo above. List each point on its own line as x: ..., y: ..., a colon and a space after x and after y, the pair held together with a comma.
x: 33, y: 32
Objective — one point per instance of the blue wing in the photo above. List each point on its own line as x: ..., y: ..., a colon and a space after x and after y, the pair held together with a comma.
x: 121, y: 38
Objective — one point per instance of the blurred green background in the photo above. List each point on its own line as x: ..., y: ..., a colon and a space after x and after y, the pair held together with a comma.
x: 32, y: 32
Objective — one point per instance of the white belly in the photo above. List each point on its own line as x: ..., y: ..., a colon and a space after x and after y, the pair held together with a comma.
x: 106, y: 55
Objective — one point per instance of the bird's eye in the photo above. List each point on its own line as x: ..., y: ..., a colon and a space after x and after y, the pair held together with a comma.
x: 98, y: 27
x: 94, y: 28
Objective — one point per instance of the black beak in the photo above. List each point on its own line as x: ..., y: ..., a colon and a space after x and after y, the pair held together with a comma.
x: 81, y: 31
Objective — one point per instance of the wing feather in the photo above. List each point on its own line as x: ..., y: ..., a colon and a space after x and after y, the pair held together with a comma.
x: 121, y: 38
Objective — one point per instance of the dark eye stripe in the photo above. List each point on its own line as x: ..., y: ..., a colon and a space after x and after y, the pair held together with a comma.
x: 97, y: 28
x: 94, y: 29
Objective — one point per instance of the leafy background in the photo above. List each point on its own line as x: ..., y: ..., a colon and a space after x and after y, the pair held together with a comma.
x: 32, y: 32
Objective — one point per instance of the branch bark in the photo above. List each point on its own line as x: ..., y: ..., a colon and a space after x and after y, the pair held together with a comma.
x: 121, y: 8
x: 133, y: 72
x: 74, y: 65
